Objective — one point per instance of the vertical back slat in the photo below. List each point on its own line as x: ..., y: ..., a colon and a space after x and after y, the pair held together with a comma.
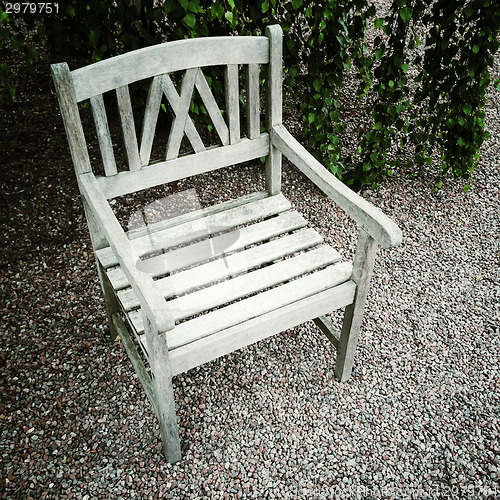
x: 189, y: 128
x: 212, y: 108
x: 71, y: 117
x: 128, y: 127
x: 253, y: 101
x: 274, y: 105
x: 150, y: 119
x: 233, y: 102
x: 181, y: 113
x: 103, y: 135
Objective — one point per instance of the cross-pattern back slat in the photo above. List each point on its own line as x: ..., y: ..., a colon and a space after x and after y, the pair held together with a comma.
x: 175, y: 101
x: 181, y: 114
x: 103, y: 135
x: 128, y: 127
x: 212, y: 108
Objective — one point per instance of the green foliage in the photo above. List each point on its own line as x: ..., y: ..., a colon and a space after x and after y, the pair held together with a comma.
x: 323, y: 40
x: 445, y: 112
x: 11, y: 39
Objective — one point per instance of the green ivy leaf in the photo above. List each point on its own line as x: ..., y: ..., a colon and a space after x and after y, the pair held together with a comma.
x: 217, y: 10
x: 406, y: 14
x: 94, y: 37
x: 190, y: 20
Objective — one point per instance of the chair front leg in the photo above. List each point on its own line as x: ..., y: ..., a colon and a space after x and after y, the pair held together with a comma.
x: 163, y: 389
x: 364, y: 260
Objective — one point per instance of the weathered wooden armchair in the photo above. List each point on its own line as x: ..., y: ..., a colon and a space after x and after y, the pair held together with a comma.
x: 267, y: 271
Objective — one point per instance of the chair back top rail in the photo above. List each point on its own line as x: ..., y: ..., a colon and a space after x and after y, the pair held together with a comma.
x: 140, y: 64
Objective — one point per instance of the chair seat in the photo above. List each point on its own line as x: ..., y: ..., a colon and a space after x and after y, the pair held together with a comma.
x: 248, y: 268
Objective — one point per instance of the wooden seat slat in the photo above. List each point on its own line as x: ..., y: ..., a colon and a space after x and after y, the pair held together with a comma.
x: 256, y: 305
x: 196, y: 214
x: 209, y: 248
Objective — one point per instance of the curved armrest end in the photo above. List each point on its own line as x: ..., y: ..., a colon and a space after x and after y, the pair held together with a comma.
x: 380, y: 227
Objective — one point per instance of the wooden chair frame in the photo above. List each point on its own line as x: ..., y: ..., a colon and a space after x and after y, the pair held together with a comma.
x: 134, y: 300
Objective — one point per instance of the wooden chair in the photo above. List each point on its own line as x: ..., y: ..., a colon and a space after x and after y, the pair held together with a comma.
x: 275, y: 273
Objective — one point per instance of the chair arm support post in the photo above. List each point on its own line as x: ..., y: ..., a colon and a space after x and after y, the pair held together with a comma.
x: 152, y: 302
x: 380, y: 227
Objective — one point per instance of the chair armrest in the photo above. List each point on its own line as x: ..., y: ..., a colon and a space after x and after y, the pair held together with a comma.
x: 152, y: 302
x: 380, y: 227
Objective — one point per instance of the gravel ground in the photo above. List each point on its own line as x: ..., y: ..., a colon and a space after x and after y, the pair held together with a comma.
x: 419, y: 418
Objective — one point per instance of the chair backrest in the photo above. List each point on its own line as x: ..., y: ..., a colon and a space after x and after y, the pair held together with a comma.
x: 156, y: 64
